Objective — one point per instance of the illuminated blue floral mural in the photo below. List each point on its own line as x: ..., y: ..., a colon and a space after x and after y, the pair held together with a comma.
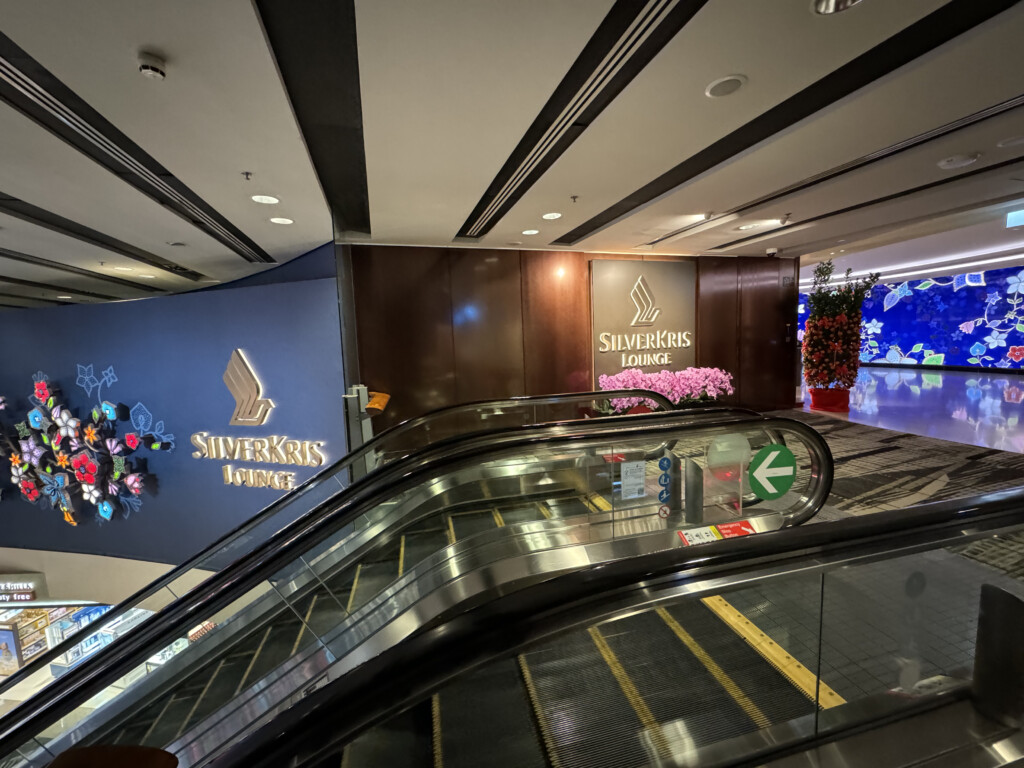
x: 974, y: 319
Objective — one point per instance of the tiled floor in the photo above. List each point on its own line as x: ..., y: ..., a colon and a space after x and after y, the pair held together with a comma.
x: 981, y: 409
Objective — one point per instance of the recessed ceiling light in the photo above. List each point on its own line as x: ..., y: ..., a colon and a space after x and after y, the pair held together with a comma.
x: 175, y: 243
x: 1013, y: 141
x: 958, y: 161
x: 725, y: 86
x: 551, y: 216
x: 124, y: 269
x: 826, y: 7
x: 265, y: 199
x: 745, y: 227
x: 531, y: 231
x: 279, y: 220
x: 210, y: 280
x: 63, y: 297
x: 148, y: 277
x: 516, y: 242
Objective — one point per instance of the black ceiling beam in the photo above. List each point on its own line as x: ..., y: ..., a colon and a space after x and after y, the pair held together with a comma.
x: 56, y: 288
x: 937, y: 28
x: 314, y: 43
x: 41, y: 217
x: 24, y: 258
x: 30, y: 298
x: 31, y: 89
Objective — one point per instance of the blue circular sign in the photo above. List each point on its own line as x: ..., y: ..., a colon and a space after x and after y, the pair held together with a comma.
x: 663, y: 495
x: 664, y: 480
x: 665, y: 463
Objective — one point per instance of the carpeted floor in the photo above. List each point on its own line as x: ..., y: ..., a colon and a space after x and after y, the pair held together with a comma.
x: 878, y: 469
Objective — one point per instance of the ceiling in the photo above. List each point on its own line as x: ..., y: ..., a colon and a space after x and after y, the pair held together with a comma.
x: 443, y: 122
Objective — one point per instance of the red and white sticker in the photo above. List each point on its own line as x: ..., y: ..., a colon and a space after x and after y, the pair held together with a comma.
x: 614, y: 458
x: 732, y: 530
x: 663, y: 511
x: 699, y: 535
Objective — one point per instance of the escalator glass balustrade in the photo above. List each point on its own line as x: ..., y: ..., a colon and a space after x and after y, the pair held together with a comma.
x: 424, y: 545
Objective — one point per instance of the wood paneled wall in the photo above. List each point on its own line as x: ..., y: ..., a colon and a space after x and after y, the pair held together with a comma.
x: 439, y: 326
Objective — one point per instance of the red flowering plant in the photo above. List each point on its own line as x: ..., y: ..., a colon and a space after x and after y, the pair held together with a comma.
x: 831, y: 346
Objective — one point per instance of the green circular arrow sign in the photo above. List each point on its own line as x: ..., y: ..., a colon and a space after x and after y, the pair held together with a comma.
x: 772, y: 471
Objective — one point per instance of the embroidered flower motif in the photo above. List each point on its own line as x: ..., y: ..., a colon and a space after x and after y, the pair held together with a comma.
x: 977, y: 348
x: 29, y: 490
x: 131, y: 440
x: 36, y: 419
x: 113, y: 447
x: 967, y: 327
x: 996, y: 339
x: 67, y: 425
x: 872, y: 327
x: 15, y: 459
x: 63, y: 460
x: 85, y: 468
x: 109, y: 410
x: 91, y: 493
x: 90, y: 434
x: 134, y: 483
x: 1013, y: 394
x: 105, y: 509
x: 18, y: 472
x: 1016, y: 354
x: 1015, y: 283
x: 31, y: 451
x: 42, y: 391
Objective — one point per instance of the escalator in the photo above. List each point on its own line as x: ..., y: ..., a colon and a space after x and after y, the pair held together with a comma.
x: 403, y: 554
x: 396, y: 444
x: 738, y: 655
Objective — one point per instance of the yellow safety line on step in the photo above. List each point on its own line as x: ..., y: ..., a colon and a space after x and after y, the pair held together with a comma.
x: 544, y: 509
x: 498, y: 519
x: 352, y: 594
x: 799, y: 675
x: 252, y: 661
x: 435, y: 720
x: 401, y: 557
x: 305, y: 623
x: 632, y: 695
x: 199, y: 698
x: 542, y: 722
x: 451, y: 530
x: 723, y: 679
x: 600, y: 503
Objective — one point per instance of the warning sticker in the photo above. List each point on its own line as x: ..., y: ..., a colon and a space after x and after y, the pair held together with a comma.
x: 732, y: 530
x: 633, y: 479
x: 699, y: 535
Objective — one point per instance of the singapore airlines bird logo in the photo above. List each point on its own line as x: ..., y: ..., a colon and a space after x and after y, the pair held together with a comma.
x: 646, y: 312
x: 251, y: 410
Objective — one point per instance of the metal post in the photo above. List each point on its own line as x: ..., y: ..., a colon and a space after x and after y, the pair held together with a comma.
x: 694, y: 500
x: 358, y: 426
x: 998, y: 662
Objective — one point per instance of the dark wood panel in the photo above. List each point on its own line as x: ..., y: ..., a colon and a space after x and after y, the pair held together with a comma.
x: 767, y: 306
x: 556, y: 322
x: 718, y: 342
x: 404, y: 328
x: 487, y: 324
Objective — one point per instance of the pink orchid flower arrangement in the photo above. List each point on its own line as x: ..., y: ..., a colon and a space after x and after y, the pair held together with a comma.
x: 687, y: 386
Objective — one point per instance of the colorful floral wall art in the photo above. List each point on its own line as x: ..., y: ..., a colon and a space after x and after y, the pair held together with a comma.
x: 81, y: 468
x: 974, y: 319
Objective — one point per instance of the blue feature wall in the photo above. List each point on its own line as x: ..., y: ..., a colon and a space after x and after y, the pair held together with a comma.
x: 972, y: 319
x: 170, y: 353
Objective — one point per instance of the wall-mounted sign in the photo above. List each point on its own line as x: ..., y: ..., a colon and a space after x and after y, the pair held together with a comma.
x: 252, y: 409
x: 643, y: 315
x: 22, y: 587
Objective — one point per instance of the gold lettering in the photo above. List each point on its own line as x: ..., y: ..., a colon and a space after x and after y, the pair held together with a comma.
x: 276, y: 454
x: 606, y: 344
x: 259, y: 450
x: 291, y: 450
x: 315, y: 453
x: 199, y: 441
x: 226, y: 469
x: 686, y: 338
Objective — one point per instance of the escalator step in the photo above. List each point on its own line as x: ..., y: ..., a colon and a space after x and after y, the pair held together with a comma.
x: 401, y: 741
x: 571, y: 506
x: 422, y: 544
x: 467, y: 524
x: 589, y: 719
x: 486, y: 719
x: 525, y: 514
x: 373, y: 578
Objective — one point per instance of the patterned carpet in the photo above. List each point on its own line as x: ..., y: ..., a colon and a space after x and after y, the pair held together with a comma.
x: 877, y: 469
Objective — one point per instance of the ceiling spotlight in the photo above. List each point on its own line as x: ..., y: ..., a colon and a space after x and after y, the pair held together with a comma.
x: 124, y: 269
x: 551, y: 216
x: 745, y: 227
x: 783, y: 220
x: 152, y: 66
x: 63, y: 297
x: 1013, y: 141
x: 531, y: 231
x: 265, y: 199
x: 827, y: 7
x: 148, y: 277
x: 279, y: 220
x: 725, y: 86
x: 958, y: 161
x: 175, y: 243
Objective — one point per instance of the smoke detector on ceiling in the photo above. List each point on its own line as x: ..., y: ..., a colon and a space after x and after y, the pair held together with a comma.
x: 725, y: 86
x: 958, y: 161
x: 152, y: 66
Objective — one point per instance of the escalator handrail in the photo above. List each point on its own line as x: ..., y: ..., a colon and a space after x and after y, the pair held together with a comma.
x: 335, y: 714
x: 47, y: 657
x: 113, y: 661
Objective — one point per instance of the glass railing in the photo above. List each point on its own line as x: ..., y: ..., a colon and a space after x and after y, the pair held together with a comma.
x: 756, y: 648
x: 390, y: 563
x: 396, y: 443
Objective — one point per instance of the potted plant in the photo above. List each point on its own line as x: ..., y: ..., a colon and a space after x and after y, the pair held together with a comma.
x: 831, y: 346
x: 689, y: 387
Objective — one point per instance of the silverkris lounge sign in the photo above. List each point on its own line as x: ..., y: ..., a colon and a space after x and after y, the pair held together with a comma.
x: 643, y: 315
x: 252, y: 410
